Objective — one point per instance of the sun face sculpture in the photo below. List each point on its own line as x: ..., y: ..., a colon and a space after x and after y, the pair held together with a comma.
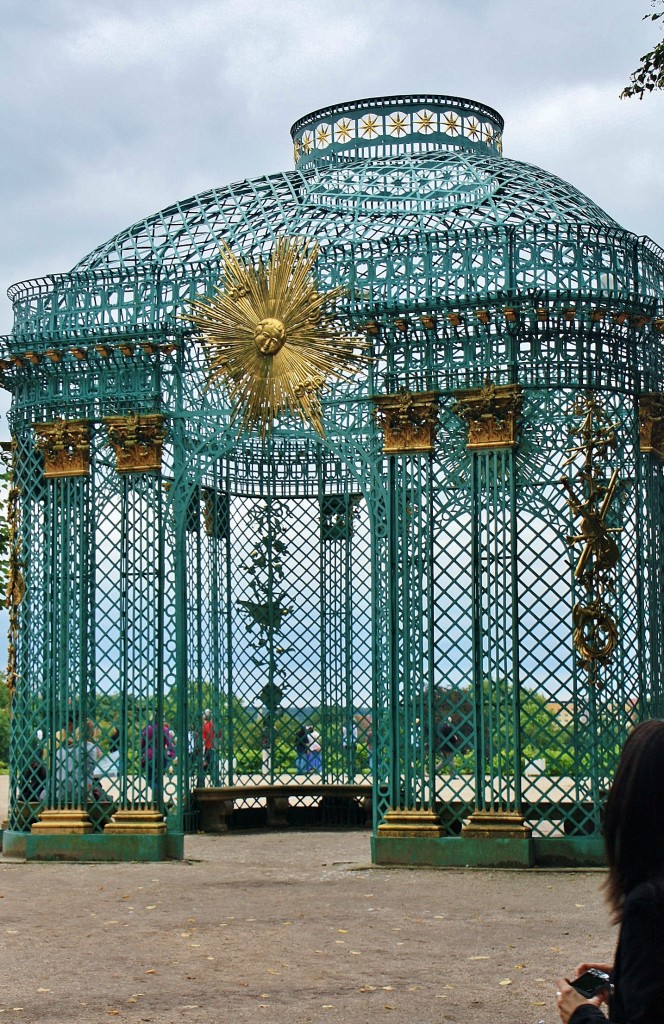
x: 272, y: 338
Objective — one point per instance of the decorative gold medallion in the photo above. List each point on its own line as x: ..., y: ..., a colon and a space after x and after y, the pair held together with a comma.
x: 272, y: 337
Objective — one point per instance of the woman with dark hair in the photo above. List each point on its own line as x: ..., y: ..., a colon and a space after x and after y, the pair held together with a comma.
x: 634, y: 840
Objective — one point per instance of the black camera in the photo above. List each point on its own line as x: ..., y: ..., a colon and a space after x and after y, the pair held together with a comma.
x: 591, y: 983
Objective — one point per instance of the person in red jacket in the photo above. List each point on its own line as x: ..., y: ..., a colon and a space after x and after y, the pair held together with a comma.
x: 208, y: 739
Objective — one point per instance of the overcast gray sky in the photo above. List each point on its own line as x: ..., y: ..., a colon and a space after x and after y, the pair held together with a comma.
x: 112, y: 109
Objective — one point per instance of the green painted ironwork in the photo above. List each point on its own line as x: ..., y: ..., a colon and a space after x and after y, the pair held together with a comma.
x: 414, y: 608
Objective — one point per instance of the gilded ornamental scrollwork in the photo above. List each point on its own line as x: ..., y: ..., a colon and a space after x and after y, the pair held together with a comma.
x: 408, y: 420
x: 65, y: 446
x: 137, y: 441
x: 591, y: 497
x: 492, y: 413
x: 651, y: 423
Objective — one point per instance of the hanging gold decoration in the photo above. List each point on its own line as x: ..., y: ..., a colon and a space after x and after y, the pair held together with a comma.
x: 272, y: 337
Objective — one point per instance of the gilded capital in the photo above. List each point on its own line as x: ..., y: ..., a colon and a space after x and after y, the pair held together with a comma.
x: 492, y: 413
x: 136, y: 440
x: 65, y: 445
x: 408, y: 420
x: 651, y: 423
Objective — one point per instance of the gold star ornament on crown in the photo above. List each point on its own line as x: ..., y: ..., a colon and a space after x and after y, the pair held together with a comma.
x: 272, y: 338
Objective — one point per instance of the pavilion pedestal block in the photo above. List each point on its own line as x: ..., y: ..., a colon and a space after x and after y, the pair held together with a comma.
x: 68, y: 821
x: 136, y: 822
x: 410, y: 824
x: 496, y: 825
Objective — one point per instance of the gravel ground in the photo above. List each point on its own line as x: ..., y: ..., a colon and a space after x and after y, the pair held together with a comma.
x: 294, y: 927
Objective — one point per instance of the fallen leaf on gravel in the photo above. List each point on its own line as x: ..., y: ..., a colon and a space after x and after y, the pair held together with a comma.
x: 538, y: 1004
x: 151, y: 906
x: 151, y: 971
x: 388, y: 1007
x: 519, y: 967
x: 265, y: 995
x: 271, y: 970
x: 113, y: 1013
x: 354, y: 952
x: 479, y: 957
x: 388, y: 988
x: 342, y: 931
x: 413, y: 988
x: 505, y: 981
x: 367, y: 988
x: 579, y: 904
x: 448, y: 986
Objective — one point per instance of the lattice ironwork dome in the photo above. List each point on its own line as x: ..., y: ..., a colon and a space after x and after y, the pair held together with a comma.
x: 454, y: 586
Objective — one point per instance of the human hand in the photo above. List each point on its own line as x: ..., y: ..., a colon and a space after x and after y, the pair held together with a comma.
x: 568, y: 999
x: 582, y: 968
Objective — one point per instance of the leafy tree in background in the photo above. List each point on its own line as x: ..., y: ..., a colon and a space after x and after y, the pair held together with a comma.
x: 650, y: 73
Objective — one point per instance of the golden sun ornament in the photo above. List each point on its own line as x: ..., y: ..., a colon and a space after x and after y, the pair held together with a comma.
x: 272, y: 338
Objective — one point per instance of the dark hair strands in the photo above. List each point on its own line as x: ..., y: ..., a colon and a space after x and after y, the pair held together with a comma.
x: 634, y: 817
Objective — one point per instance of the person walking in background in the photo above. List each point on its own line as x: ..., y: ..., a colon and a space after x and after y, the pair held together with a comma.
x: 149, y: 753
x: 349, y: 745
x: 634, y: 841
x: 301, y: 747
x: 314, y: 750
x: 208, y: 739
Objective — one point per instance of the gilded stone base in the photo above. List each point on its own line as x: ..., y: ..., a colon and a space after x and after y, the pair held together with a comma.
x: 496, y: 825
x: 409, y: 823
x: 70, y: 821
x: 136, y: 822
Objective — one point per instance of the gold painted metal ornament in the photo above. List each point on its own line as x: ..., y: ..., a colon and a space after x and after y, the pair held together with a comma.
x: 272, y: 337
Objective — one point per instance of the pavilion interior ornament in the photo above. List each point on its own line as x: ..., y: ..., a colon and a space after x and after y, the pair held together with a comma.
x: 651, y: 423
x: 272, y: 337
x: 136, y: 440
x: 65, y: 445
x: 408, y: 420
x: 492, y: 413
x: 595, y: 629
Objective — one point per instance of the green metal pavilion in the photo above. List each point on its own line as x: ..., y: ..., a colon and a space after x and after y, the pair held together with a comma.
x: 455, y: 587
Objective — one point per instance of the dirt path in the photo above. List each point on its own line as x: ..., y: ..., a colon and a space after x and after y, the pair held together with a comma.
x: 289, y: 927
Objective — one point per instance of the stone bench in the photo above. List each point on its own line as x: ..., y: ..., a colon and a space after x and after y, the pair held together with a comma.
x: 216, y: 803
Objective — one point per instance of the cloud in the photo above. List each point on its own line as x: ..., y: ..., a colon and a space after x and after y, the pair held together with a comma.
x: 113, y: 111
